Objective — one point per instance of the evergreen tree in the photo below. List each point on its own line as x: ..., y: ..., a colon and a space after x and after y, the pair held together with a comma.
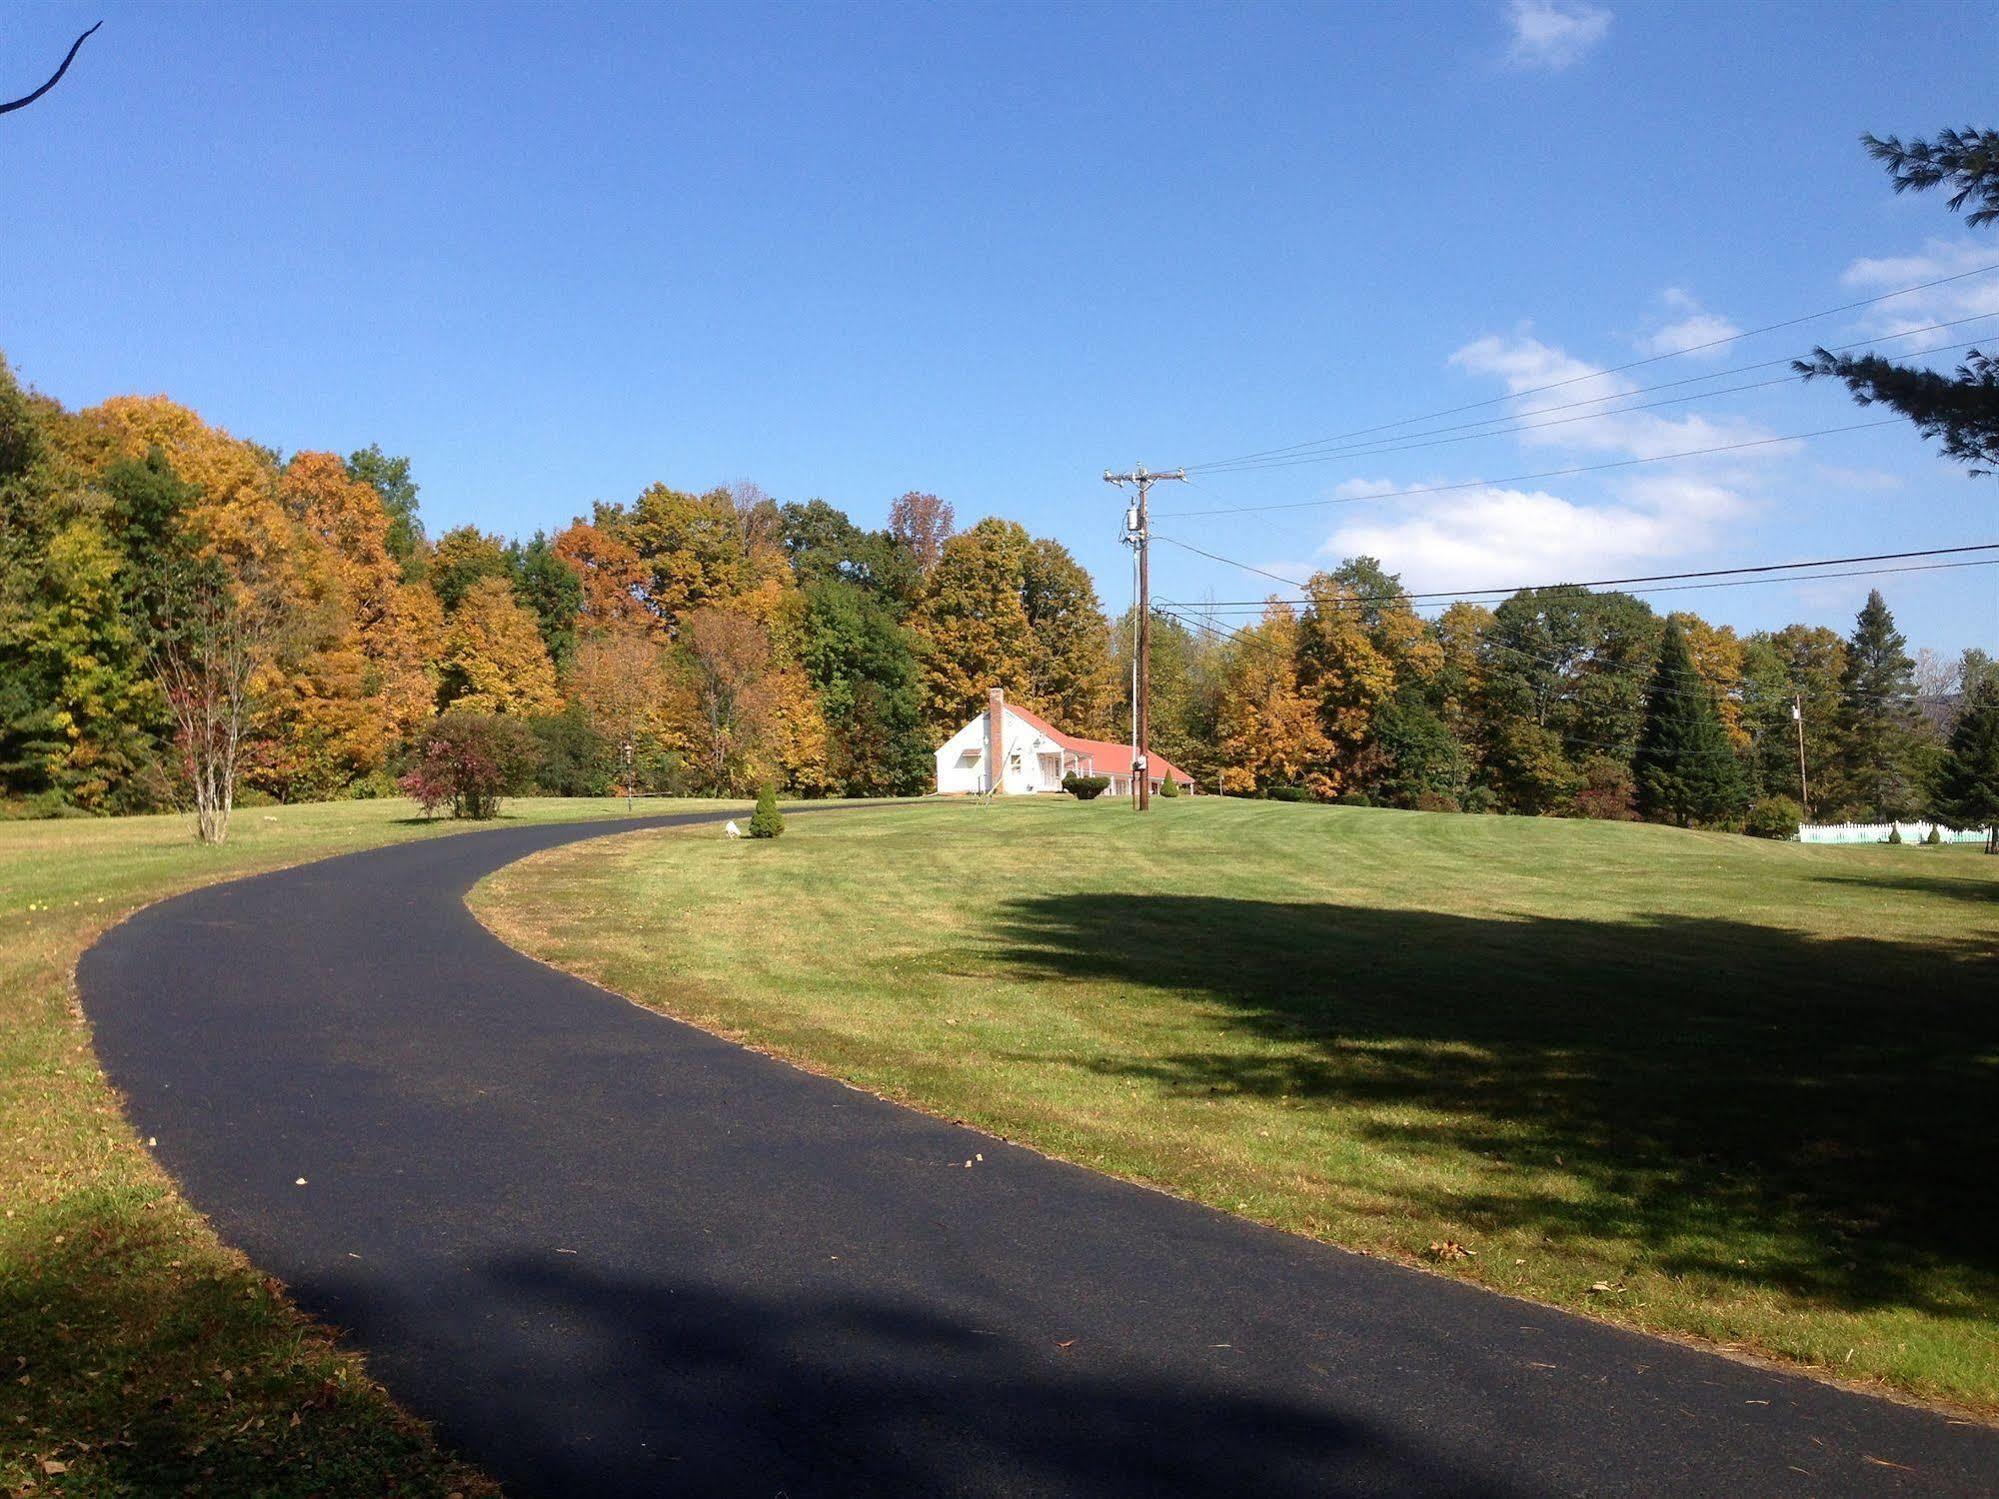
x: 1966, y: 792
x: 1877, y: 702
x: 1685, y: 770
x: 1961, y: 408
x: 766, y: 821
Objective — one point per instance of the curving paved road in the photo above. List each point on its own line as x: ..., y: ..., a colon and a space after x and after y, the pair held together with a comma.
x: 610, y: 1254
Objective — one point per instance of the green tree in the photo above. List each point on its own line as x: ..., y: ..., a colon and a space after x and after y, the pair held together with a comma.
x: 821, y: 543
x: 1419, y: 759
x: 766, y: 821
x: 391, y: 480
x: 1802, y: 665
x: 552, y: 591
x: 1962, y: 408
x: 1069, y: 664
x: 1877, y: 716
x: 1965, y: 794
x: 1685, y: 771
x: 863, y: 664
x: 463, y: 556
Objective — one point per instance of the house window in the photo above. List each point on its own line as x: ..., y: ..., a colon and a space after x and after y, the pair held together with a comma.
x: 968, y: 758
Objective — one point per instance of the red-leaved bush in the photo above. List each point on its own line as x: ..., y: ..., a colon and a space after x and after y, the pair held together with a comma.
x: 467, y: 761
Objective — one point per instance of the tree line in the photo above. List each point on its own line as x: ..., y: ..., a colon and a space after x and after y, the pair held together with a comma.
x: 185, y: 614
x: 1559, y: 700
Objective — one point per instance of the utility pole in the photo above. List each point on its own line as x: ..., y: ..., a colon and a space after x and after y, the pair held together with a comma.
x: 1138, y: 533
x: 1798, y: 718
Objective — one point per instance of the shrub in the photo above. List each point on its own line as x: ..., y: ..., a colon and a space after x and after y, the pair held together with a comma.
x: 1894, y: 832
x: 1773, y: 817
x: 1355, y: 799
x: 1935, y: 836
x: 1289, y: 794
x: 766, y: 821
x: 1169, y: 787
x: 1085, y: 788
x: 467, y: 761
x: 1608, y: 793
x: 1436, y: 801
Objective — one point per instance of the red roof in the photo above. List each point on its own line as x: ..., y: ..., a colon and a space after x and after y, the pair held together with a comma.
x: 1107, y: 759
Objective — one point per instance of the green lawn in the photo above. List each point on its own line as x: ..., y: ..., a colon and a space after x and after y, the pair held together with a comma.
x: 1690, y: 1082
x: 137, y: 1354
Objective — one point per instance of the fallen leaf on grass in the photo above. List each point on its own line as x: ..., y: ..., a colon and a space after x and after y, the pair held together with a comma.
x: 1605, y: 1288
x: 1448, y: 1249
x: 51, y: 1467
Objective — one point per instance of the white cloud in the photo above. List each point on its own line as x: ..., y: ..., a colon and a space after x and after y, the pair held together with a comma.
x: 1554, y: 33
x: 1545, y: 377
x: 1971, y: 297
x: 1363, y: 489
x: 1497, y: 537
x: 1692, y: 327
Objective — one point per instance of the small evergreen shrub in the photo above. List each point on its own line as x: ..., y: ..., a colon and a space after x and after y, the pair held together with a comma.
x: 1085, y: 788
x: 1935, y: 836
x: 1894, y: 832
x: 1773, y: 817
x: 1355, y: 799
x: 1289, y: 794
x: 1169, y: 787
x: 766, y: 821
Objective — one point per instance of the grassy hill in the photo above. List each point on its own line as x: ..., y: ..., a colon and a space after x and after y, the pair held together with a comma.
x: 1686, y: 1081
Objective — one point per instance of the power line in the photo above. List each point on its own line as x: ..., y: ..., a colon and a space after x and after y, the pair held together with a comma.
x: 1442, y: 594
x: 1714, y: 343
x: 1865, y: 572
x: 1553, y: 473
x: 1506, y: 426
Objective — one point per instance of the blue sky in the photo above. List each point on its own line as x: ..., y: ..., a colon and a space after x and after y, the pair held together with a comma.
x: 554, y: 255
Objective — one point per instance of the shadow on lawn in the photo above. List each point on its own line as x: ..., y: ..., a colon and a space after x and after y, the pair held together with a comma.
x: 1708, y: 1083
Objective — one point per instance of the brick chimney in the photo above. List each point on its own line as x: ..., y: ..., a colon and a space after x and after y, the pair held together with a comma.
x: 995, y: 739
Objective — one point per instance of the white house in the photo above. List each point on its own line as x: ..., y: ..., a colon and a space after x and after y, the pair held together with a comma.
x: 1033, y: 755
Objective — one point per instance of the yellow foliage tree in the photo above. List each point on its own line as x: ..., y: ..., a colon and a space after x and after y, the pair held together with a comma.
x: 494, y: 659
x: 1267, y: 724
x: 1346, y: 672
x: 1718, y: 657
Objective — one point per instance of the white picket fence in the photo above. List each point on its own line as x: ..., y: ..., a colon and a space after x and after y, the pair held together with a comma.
x: 1877, y: 832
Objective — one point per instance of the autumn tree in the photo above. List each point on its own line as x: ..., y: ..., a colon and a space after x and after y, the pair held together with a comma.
x: 391, y: 481
x: 974, y: 624
x: 922, y: 523
x: 494, y: 659
x: 1268, y: 724
x: 745, y: 719
x: 701, y: 551
x: 613, y: 578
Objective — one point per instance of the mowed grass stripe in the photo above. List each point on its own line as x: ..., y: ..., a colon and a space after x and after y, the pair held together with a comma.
x: 1744, y: 1086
